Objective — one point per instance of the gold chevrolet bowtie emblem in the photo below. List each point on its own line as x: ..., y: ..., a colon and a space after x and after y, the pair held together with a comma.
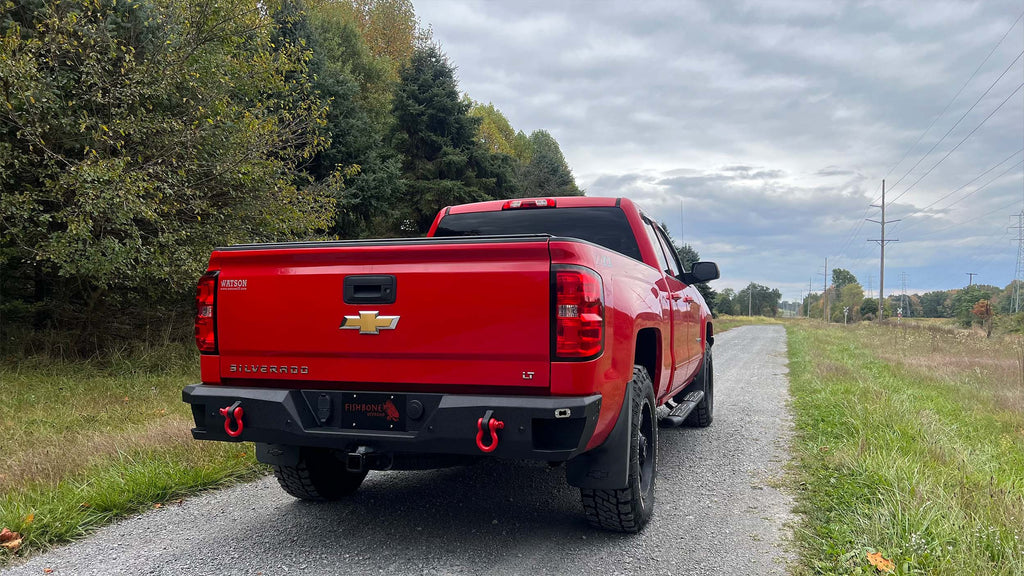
x: 369, y: 322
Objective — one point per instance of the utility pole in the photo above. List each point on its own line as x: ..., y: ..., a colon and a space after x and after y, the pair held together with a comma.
x: 971, y: 276
x: 871, y: 287
x: 750, y: 299
x: 1018, y: 275
x: 881, y: 260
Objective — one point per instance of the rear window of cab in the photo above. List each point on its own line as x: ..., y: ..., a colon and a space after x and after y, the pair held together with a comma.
x: 605, y: 226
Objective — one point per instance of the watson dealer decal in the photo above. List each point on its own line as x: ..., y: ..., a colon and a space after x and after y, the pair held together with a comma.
x: 226, y: 284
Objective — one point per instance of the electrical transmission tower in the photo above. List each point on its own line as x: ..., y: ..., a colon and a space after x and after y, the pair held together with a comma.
x: 824, y: 293
x: 1018, y: 275
x: 881, y: 243
x: 903, y: 295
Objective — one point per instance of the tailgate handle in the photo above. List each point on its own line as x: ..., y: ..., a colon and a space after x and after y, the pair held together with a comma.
x: 370, y: 289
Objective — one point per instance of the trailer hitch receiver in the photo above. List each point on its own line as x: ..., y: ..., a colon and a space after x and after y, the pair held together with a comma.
x: 488, y: 423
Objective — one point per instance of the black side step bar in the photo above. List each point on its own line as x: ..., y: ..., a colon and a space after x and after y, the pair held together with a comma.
x: 680, y: 411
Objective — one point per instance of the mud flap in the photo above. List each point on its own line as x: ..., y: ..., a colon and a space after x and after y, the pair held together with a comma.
x: 607, y: 466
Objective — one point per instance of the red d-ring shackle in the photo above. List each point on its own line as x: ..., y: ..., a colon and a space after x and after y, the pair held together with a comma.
x: 233, y: 411
x: 491, y: 424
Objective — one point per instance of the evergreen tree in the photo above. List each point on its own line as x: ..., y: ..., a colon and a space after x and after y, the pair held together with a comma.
x: 546, y: 173
x: 442, y: 161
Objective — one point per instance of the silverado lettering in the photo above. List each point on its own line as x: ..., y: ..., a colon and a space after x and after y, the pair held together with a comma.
x: 547, y: 329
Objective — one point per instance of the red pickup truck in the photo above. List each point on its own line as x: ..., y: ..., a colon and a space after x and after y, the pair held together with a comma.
x: 539, y: 329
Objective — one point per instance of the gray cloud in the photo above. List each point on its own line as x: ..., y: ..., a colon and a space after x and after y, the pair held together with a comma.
x: 772, y: 122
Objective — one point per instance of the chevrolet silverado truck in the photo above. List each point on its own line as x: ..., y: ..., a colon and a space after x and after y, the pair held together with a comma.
x: 538, y: 329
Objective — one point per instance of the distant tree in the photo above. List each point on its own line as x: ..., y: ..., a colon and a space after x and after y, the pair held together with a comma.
x: 935, y: 304
x: 851, y: 297
x: 965, y: 299
x: 869, y: 309
x: 759, y: 300
x: 982, y: 310
x: 809, y: 303
x: 725, y: 302
x: 841, y: 278
x: 547, y: 173
x: 688, y: 256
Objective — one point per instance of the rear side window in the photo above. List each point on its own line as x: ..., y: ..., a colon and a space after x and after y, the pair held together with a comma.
x: 604, y: 225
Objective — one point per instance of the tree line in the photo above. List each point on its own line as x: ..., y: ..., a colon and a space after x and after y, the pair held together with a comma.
x: 962, y: 304
x: 140, y: 134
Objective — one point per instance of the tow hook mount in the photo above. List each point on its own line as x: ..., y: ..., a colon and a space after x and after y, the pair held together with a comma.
x: 491, y: 424
x: 233, y: 412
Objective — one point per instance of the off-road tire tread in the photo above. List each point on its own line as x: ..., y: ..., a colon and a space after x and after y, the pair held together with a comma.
x: 620, y: 510
x: 315, y: 481
x: 703, y: 413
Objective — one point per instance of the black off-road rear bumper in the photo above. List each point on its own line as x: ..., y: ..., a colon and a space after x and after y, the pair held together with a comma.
x: 535, y: 428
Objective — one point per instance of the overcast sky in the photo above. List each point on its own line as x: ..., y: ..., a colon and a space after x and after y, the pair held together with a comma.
x: 773, y: 123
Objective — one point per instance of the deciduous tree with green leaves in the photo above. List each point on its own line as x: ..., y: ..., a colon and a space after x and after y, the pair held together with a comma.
x: 139, y: 135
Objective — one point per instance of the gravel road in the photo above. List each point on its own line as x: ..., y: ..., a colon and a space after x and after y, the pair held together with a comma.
x: 717, y: 512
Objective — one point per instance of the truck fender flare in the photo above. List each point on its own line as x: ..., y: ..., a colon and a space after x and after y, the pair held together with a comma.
x: 607, y: 466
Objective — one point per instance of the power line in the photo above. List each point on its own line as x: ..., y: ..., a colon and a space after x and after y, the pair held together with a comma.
x: 968, y: 195
x: 957, y: 123
x: 856, y: 228
x: 1000, y: 209
x: 969, y: 134
x: 955, y: 96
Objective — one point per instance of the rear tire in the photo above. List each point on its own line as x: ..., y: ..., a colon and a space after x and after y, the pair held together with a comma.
x: 319, y: 476
x: 704, y: 413
x: 628, y: 509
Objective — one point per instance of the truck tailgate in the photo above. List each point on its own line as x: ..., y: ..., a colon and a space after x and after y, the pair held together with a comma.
x: 469, y: 312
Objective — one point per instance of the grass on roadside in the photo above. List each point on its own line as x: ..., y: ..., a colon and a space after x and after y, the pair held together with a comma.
x: 84, y: 442
x: 726, y: 322
x: 910, y: 442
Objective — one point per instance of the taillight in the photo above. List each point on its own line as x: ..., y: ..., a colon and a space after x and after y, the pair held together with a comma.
x: 206, y: 308
x: 536, y: 203
x: 578, y: 313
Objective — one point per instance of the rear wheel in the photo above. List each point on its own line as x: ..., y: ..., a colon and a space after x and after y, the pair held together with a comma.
x: 628, y: 509
x: 318, y: 476
x: 703, y: 414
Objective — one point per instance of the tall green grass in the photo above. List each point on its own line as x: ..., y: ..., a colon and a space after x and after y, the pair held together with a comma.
x: 914, y: 449
x: 85, y: 441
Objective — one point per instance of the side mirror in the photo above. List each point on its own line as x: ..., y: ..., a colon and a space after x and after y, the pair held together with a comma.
x: 703, y: 272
